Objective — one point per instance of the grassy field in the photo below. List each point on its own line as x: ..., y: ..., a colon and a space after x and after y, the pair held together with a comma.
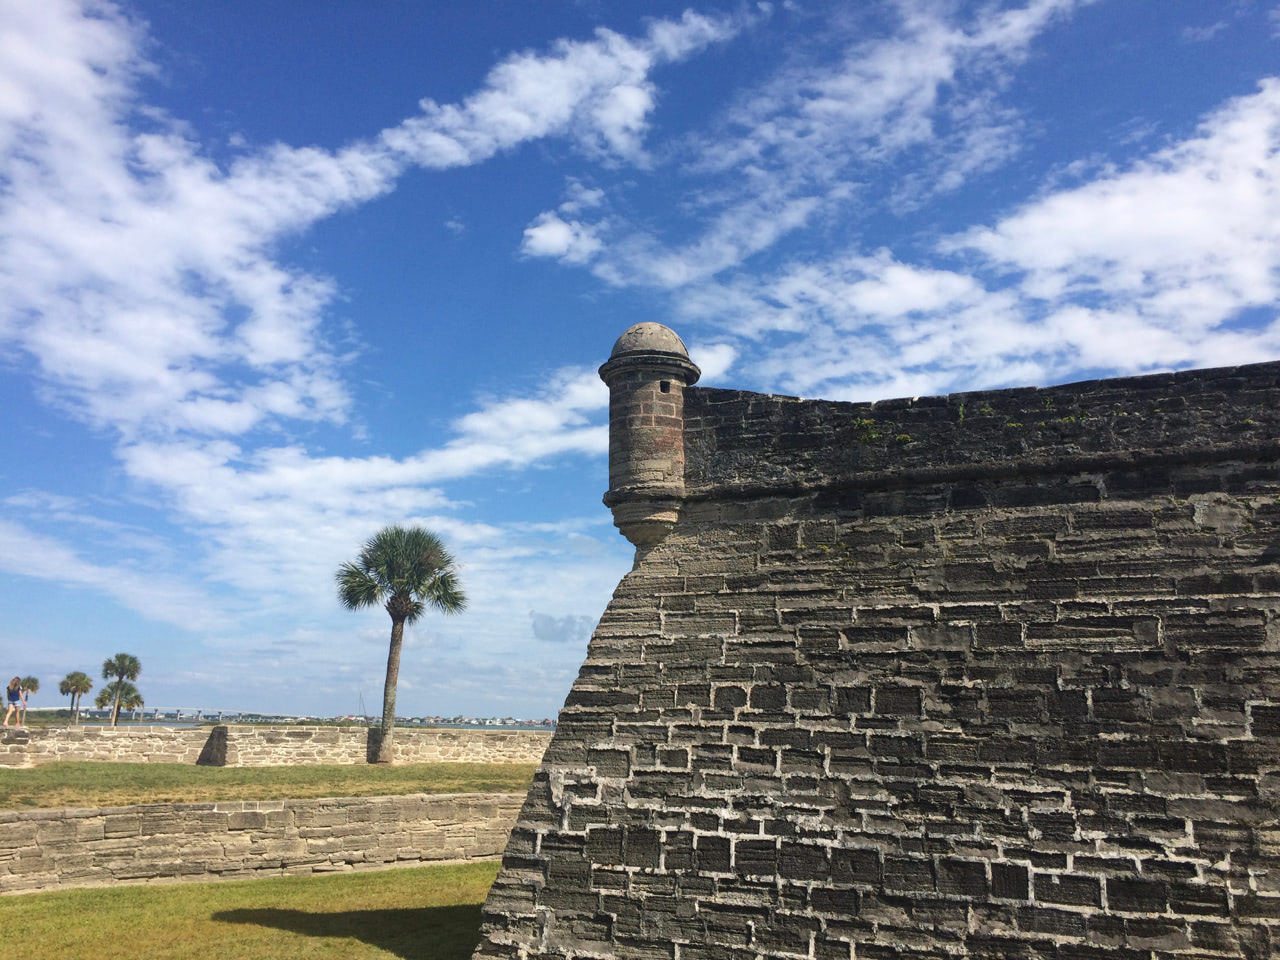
x: 420, y: 913
x: 82, y: 784
x: 47, y: 718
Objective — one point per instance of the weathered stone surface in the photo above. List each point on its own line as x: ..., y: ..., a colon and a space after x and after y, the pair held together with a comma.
x: 991, y: 675
x: 50, y: 849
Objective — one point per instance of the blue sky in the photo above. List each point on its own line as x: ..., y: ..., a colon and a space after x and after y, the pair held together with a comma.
x: 273, y: 275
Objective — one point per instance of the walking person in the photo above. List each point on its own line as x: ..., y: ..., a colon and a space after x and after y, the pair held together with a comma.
x: 17, y: 701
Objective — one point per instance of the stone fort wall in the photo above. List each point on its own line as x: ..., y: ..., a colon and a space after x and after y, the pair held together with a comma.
x: 56, y: 849
x: 994, y: 675
x: 248, y: 746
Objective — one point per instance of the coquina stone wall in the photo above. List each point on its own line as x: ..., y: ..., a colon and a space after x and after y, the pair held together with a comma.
x: 994, y: 675
x: 248, y: 746
x: 134, y: 744
x: 49, y: 849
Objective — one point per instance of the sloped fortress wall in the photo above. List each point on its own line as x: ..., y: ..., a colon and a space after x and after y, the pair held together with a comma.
x: 994, y: 675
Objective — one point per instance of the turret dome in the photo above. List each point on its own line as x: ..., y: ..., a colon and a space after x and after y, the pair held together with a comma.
x: 649, y: 337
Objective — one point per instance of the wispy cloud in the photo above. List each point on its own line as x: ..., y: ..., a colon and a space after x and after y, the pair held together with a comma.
x: 799, y: 147
x: 1188, y: 236
x: 151, y: 593
x: 278, y: 520
x: 597, y: 92
x: 1161, y: 264
x: 1204, y: 33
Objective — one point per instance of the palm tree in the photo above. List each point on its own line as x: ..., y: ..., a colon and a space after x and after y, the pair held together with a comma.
x: 75, y: 685
x: 29, y: 686
x: 131, y: 699
x: 123, y: 666
x: 406, y: 570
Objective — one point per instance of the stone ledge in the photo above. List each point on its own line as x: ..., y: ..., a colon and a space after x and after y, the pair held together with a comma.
x: 250, y: 746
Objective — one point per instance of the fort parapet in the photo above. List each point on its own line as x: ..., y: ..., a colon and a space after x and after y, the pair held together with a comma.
x: 989, y: 675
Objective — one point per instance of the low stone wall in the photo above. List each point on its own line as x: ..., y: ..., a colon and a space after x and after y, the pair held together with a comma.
x: 26, y: 748
x: 51, y: 849
x: 250, y: 746
x: 264, y: 746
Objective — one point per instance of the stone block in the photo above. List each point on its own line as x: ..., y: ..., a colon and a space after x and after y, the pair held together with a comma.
x: 1135, y: 895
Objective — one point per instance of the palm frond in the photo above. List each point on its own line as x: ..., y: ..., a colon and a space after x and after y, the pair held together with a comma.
x: 357, y: 587
x: 445, y: 593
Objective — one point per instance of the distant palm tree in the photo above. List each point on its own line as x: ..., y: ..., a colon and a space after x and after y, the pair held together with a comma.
x: 131, y: 699
x: 128, y: 694
x: 75, y: 685
x: 29, y: 686
x: 406, y: 569
x: 123, y: 666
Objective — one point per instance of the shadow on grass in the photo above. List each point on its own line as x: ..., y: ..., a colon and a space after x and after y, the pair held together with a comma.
x: 425, y: 933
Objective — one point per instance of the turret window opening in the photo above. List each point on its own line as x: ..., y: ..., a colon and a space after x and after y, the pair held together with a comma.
x: 665, y: 386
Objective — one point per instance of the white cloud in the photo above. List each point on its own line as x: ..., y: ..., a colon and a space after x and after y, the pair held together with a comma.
x: 597, y: 91
x: 1188, y: 237
x: 570, y: 241
x: 713, y: 359
x: 514, y: 431
x: 276, y: 521
x: 1164, y: 264
x: 797, y: 150
x: 567, y: 240
x: 580, y: 197
x: 869, y: 327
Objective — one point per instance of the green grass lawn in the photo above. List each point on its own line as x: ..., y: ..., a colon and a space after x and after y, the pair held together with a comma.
x: 83, y: 784
x: 416, y: 913
x: 47, y: 718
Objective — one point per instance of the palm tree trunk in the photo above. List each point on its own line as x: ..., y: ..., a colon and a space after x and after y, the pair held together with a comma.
x: 115, y: 704
x: 389, y: 691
